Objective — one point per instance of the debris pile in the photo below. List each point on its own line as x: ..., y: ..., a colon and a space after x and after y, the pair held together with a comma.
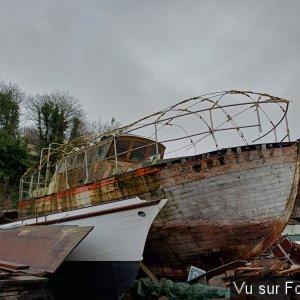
x: 275, y: 272
x: 14, y: 284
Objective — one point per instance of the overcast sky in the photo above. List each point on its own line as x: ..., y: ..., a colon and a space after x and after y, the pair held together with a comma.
x: 130, y: 58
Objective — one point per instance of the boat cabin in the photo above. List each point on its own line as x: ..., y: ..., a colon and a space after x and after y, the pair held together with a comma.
x: 107, y: 157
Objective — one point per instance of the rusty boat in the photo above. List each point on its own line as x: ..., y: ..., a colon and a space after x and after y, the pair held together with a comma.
x: 224, y: 161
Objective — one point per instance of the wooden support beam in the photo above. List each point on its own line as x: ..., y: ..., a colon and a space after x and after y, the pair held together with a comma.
x: 289, y: 271
x: 147, y: 271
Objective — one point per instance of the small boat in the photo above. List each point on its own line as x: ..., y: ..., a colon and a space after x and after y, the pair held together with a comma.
x: 106, y: 262
x: 229, y: 196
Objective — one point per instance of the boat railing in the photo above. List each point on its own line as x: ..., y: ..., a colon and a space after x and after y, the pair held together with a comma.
x: 40, y: 180
x: 181, y: 128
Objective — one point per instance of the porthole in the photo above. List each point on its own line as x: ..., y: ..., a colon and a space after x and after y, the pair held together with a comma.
x: 142, y: 214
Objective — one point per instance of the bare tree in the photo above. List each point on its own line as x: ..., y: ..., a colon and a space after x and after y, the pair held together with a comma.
x: 98, y: 127
x: 30, y: 133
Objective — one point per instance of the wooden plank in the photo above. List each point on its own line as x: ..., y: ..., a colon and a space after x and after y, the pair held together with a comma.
x: 46, y: 246
x: 12, y: 265
x: 222, y: 269
x: 4, y: 274
x: 278, y: 265
x: 148, y: 272
x: 289, y: 271
x: 21, y: 279
x: 250, y: 274
x: 249, y: 268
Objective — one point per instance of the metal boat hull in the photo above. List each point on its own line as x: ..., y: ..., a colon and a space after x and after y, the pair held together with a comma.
x: 106, y: 262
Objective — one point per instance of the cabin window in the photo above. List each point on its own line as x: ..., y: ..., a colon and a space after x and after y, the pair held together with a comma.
x: 79, y: 160
x: 62, y: 166
x: 153, y: 151
x: 70, y: 163
x: 101, y: 151
x: 138, y: 151
x: 134, y: 150
x: 123, y: 148
x: 91, y: 156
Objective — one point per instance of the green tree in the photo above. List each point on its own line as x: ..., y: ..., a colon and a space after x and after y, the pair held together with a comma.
x: 14, y: 158
x: 57, y: 116
x: 11, y: 97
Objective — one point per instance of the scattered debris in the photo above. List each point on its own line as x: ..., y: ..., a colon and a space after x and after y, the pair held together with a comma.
x: 29, y: 252
x: 269, y: 274
x: 8, y: 216
x: 14, y: 284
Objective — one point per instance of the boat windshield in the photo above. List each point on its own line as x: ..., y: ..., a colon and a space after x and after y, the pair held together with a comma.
x: 135, y: 149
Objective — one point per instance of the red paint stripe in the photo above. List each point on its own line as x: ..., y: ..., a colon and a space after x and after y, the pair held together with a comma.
x: 98, y: 213
x: 142, y: 172
x: 82, y: 189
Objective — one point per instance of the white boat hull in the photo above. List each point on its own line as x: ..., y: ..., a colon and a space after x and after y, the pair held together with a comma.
x: 120, y: 229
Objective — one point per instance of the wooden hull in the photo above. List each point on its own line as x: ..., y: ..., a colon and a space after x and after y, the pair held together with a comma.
x: 236, y: 211
x: 226, y: 205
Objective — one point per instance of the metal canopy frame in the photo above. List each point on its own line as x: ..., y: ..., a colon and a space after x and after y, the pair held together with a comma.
x: 190, y: 122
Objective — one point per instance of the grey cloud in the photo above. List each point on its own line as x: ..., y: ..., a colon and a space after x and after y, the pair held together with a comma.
x: 130, y: 58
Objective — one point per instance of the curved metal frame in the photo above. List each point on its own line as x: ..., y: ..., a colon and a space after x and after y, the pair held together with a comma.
x: 203, y: 108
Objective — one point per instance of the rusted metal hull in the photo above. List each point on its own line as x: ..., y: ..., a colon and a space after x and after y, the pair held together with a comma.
x: 42, y: 248
x: 226, y: 205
